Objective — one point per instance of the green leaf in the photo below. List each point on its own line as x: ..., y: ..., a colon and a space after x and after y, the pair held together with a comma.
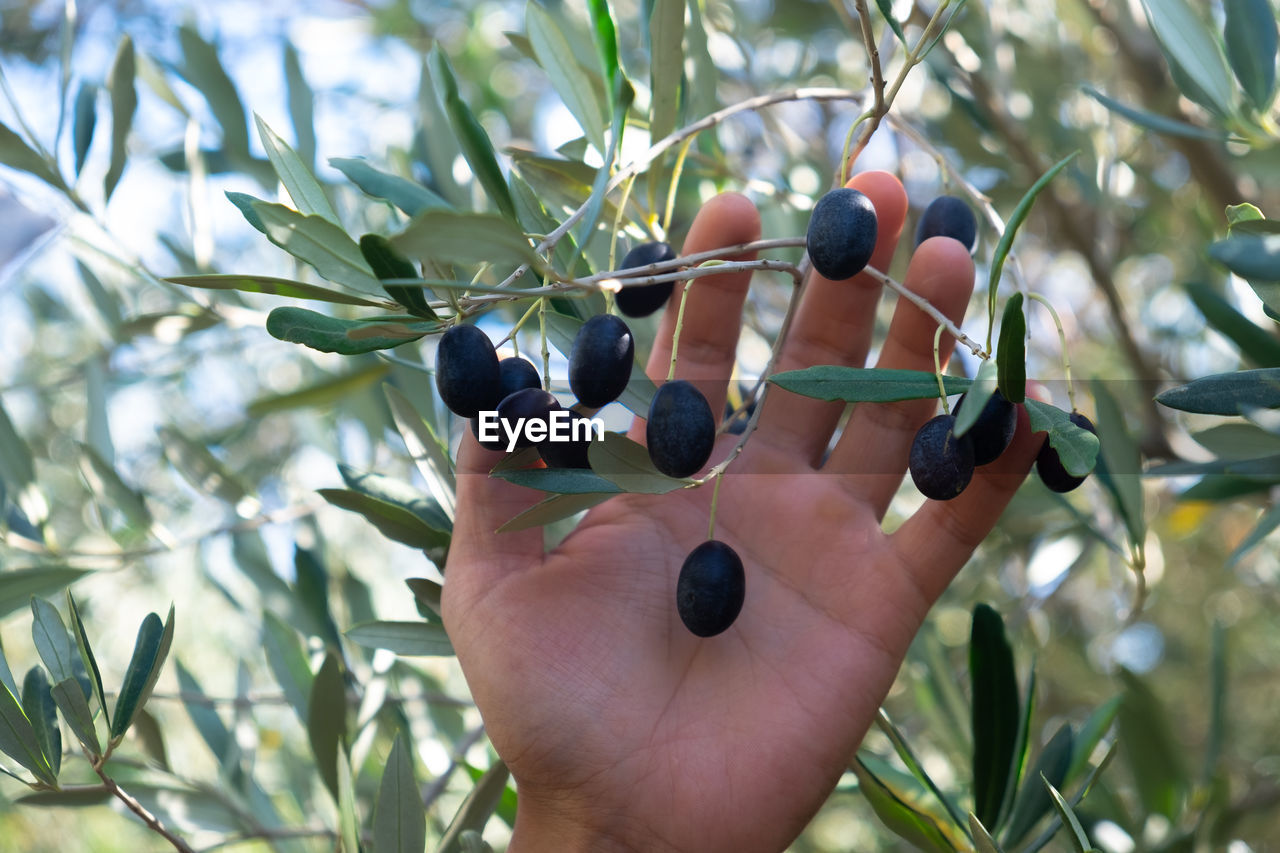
x: 124, y: 102
x: 553, y: 509
x: 1190, y: 46
x: 905, y: 821
x: 85, y: 119
x: 1238, y: 214
x: 6, y: 677
x: 1076, y: 446
x: 393, y: 521
x: 1265, y: 526
x: 995, y: 712
x: 326, y: 392
x: 288, y: 661
x: 1033, y: 800
x: 307, y: 194
x: 399, y: 818
x: 982, y: 840
x: 38, y: 704
x: 975, y: 399
x: 17, y: 154
x: 204, y: 716
x: 199, y: 467
x: 348, y: 820
x: 398, y: 493
x: 18, y: 586
x: 475, y: 144
x: 203, y: 69
x: 1120, y: 464
x: 75, y: 710
x: 908, y: 756
x: 411, y: 639
x: 320, y: 243
x: 477, y: 808
x: 311, y: 587
x: 273, y: 286
x: 245, y: 203
x: 427, y: 451
x: 1226, y: 393
x: 866, y: 384
x: 1251, y: 39
x: 347, y: 337
x: 387, y: 263
x: 886, y: 9
x: 52, y: 641
x: 327, y: 720
x: 1079, y: 838
x: 606, y: 41
x: 626, y: 464
x: 111, y: 490
x: 86, y: 656
x: 570, y: 80
x: 410, y: 196
x: 1250, y: 256
x: 301, y: 105
x: 426, y: 596
x: 561, y: 481
x: 666, y: 66
x: 18, y: 738
x: 464, y: 238
x: 1154, y: 121
x: 1256, y: 344
x: 79, y: 796
x: 1011, y: 358
x: 17, y: 471
x: 1148, y: 742
x: 1019, y: 215
x: 149, y: 652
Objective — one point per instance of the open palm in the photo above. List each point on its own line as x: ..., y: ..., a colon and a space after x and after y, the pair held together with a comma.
x: 623, y: 730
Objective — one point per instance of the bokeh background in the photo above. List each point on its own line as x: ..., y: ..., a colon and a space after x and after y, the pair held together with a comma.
x: 162, y: 439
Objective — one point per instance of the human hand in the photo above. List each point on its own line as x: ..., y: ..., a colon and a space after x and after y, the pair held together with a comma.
x: 624, y: 731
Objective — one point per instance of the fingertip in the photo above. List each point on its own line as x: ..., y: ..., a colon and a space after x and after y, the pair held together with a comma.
x: 726, y: 219
x: 889, y: 198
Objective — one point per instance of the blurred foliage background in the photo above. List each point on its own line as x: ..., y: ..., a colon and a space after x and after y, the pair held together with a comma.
x: 157, y: 438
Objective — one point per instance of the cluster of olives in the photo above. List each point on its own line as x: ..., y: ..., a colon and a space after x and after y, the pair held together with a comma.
x: 840, y: 240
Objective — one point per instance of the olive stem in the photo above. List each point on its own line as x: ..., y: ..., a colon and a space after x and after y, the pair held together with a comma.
x: 661, y: 146
x: 761, y: 387
x: 691, y: 260
x: 715, y: 502
x: 927, y: 307
x: 1062, y: 341
x: 883, y: 100
x: 675, y: 336
x: 878, y: 108
x: 677, y: 172
x: 937, y: 368
x: 546, y: 351
x: 979, y: 198
x: 511, y: 335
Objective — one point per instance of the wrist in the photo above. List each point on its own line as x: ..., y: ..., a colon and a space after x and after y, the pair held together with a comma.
x: 542, y: 828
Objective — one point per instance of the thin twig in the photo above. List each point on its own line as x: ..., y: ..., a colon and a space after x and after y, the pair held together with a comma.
x: 663, y: 145
x: 927, y: 307
x: 153, y: 823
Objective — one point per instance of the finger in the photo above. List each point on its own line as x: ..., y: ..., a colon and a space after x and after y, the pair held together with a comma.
x: 833, y: 325
x: 937, y: 541
x: 877, y: 439
x: 713, y: 309
x: 486, y: 503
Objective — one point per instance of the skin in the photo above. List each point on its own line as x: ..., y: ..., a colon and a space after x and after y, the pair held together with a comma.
x: 622, y: 730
